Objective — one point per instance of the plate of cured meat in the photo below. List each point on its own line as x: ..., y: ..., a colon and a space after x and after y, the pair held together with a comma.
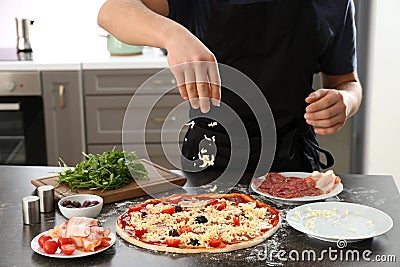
x: 77, y: 237
x: 298, y: 186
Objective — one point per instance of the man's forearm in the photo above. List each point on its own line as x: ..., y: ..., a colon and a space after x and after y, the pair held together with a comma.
x: 132, y: 22
x: 352, y: 95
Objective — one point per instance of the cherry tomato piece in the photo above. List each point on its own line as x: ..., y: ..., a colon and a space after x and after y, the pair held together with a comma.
x: 220, y: 205
x: 185, y: 219
x: 50, y: 246
x: 140, y: 232
x: 135, y: 208
x: 68, y: 249
x: 43, y: 239
x: 64, y: 240
x: 170, y: 210
x: 173, y: 242
x: 185, y: 229
x: 104, y: 244
x: 212, y: 202
x: 215, y: 242
x: 236, y: 221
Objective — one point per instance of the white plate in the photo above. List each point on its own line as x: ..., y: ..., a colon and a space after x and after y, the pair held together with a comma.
x: 257, y: 181
x: 350, y: 222
x: 77, y: 253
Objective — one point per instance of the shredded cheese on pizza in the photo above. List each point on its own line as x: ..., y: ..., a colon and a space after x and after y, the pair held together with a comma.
x: 196, y: 222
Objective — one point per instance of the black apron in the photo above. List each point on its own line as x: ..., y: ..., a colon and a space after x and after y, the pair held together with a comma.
x: 275, y: 43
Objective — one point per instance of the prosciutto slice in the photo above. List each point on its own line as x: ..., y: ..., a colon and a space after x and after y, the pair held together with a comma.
x: 79, y: 226
x: 325, y: 181
x: 85, y: 233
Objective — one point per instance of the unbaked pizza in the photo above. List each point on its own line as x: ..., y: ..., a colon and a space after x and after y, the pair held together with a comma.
x: 198, y: 223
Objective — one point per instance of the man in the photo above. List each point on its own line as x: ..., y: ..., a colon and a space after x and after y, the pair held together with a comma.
x: 279, y: 44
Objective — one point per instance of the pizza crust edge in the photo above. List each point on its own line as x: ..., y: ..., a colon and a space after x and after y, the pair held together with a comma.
x: 228, y: 248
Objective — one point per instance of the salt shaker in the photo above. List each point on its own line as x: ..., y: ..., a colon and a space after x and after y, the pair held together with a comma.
x: 30, y: 210
x: 46, y: 197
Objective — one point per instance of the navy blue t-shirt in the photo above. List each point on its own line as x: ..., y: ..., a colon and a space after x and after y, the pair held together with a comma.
x: 336, y: 28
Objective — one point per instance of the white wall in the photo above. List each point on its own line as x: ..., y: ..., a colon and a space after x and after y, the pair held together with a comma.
x: 59, y: 24
x: 9, y: 10
x: 383, y: 103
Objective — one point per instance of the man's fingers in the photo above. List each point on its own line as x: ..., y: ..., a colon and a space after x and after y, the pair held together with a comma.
x: 190, y: 83
x: 323, y: 102
x: 215, y: 82
x: 215, y: 95
x: 180, y: 80
x: 178, y: 73
x: 203, y: 88
x: 330, y: 130
x: 325, y: 113
x: 203, y: 91
x: 314, y: 96
x: 325, y: 123
x: 198, y: 82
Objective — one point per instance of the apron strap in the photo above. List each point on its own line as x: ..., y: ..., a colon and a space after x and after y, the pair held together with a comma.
x: 290, y: 146
x: 287, y: 149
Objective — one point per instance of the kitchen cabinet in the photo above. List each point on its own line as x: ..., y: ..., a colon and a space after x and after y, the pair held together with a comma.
x: 107, y: 94
x: 62, y: 97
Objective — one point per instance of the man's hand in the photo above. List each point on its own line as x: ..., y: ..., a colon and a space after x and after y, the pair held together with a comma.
x: 329, y: 109
x: 192, y: 63
x: 195, y: 69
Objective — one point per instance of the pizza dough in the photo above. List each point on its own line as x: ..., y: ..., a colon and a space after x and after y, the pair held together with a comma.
x: 198, y: 223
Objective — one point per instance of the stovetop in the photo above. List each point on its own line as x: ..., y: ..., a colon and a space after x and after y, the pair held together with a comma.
x: 12, y: 54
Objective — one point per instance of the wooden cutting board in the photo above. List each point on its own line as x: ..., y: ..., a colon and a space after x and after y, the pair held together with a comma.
x: 160, y: 180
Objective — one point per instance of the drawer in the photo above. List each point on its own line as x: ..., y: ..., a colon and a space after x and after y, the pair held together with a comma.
x: 119, y: 82
x: 105, y: 116
x: 154, y: 151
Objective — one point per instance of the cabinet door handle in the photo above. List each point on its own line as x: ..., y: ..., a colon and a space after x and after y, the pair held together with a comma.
x: 61, y: 90
x: 161, y: 81
x: 10, y: 107
x: 163, y: 119
x: 157, y: 81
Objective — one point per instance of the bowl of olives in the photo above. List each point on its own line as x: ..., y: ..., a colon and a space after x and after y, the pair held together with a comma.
x: 80, y: 205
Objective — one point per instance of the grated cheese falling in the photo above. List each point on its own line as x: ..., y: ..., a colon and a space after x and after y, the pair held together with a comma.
x: 191, y: 124
x: 207, y: 138
x: 206, y: 160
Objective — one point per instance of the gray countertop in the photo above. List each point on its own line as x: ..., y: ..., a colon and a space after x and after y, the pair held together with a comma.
x: 375, y: 191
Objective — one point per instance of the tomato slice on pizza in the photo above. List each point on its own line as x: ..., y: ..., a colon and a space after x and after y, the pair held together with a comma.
x: 198, y: 223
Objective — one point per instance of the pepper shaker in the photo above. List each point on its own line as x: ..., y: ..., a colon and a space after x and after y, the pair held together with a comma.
x: 30, y: 210
x: 46, y: 197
